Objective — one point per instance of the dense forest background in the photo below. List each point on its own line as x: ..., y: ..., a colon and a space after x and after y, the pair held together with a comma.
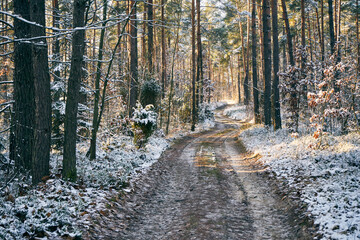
x: 74, y: 70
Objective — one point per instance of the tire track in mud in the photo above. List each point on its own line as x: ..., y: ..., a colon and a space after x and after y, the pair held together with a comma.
x: 205, y: 187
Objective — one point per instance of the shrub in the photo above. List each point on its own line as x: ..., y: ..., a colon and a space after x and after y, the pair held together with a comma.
x: 144, y: 123
x: 150, y: 93
x: 205, y: 113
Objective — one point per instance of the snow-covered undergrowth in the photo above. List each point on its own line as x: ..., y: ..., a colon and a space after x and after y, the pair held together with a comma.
x: 207, y: 122
x: 237, y: 112
x: 57, y: 208
x: 326, y: 179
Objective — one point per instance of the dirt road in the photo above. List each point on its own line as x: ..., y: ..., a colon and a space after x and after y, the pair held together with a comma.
x: 205, y: 187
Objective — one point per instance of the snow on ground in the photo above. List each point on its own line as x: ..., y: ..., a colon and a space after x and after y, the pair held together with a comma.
x: 326, y: 179
x: 237, y: 112
x: 57, y: 208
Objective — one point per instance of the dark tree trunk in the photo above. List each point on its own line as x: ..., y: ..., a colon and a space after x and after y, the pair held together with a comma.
x: 357, y: 38
x: 97, y: 87
x: 24, y: 105
x: 303, y: 40
x: 150, y: 13
x: 193, y: 65
x: 288, y: 33
x: 254, y: 65
x: 199, y: 76
x: 293, y: 93
x: 134, y: 58
x: 276, y: 60
x: 322, y: 32
x: 69, y: 162
x: 267, y: 61
x: 163, y: 49
x: 239, y: 78
x: 331, y: 27
x: 57, y: 77
x: 42, y: 129
x: 246, y: 80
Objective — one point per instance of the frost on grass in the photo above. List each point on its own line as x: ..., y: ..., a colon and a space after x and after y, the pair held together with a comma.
x: 326, y: 179
x: 57, y: 208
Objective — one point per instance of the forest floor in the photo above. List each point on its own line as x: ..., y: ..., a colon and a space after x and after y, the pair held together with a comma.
x: 206, y: 186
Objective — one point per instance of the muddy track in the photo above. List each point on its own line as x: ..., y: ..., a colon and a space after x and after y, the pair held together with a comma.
x: 206, y: 186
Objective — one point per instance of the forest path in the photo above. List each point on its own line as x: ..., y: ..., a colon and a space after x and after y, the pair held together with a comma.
x: 206, y: 186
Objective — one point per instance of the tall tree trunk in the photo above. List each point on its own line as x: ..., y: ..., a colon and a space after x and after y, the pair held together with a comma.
x: 322, y: 32
x: 260, y: 72
x: 69, y: 158
x: 172, y: 72
x: 57, y: 77
x: 239, y: 77
x: 42, y: 129
x: 303, y: 26
x: 293, y: 93
x: 163, y: 49
x: 24, y: 105
x: 331, y: 27
x: 319, y: 33
x: 150, y: 13
x: 143, y: 38
x: 267, y: 61
x: 288, y: 33
x: 246, y: 80
x: 335, y: 19
x: 338, y: 34
x: 309, y: 36
x: 97, y: 85
x: 357, y: 38
x: 303, y: 48
x: 193, y: 66
x: 199, y: 77
x: 254, y: 67
x: 276, y: 61
x: 133, y: 92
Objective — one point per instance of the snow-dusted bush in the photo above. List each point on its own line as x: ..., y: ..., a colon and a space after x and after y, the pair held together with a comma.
x: 205, y: 113
x: 144, y: 123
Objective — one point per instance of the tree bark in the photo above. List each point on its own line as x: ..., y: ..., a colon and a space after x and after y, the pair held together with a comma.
x: 193, y: 66
x: 239, y: 77
x: 73, y: 93
x: 254, y: 64
x: 57, y: 77
x: 276, y: 61
x: 133, y: 91
x: 172, y: 72
x: 97, y: 85
x: 267, y: 61
x: 42, y: 129
x: 24, y: 105
x: 150, y: 25
x: 288, y: 33
x: 163, y: 49
x: 322, y: 32
x: 357, y: 38
x: 331, y: 27
x: 199, y: 77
